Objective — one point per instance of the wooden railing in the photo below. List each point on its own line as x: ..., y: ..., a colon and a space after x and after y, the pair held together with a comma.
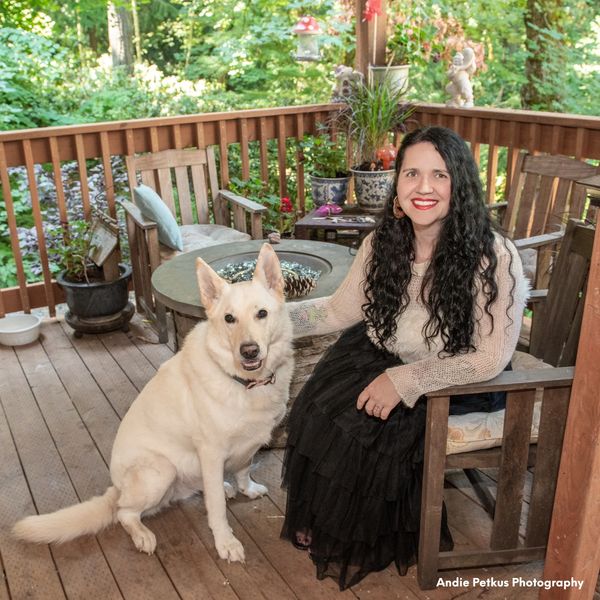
x: 496, y: 136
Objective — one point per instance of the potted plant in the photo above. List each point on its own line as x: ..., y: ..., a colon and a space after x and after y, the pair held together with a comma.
x: 327, y: 162
x: 408, y: 40
x: 96, y: 303
x: 372, y: 113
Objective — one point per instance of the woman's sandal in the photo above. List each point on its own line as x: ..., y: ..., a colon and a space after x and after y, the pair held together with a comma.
x: 301, y: 540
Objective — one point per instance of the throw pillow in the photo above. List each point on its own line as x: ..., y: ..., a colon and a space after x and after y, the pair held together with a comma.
x: 153, y: 208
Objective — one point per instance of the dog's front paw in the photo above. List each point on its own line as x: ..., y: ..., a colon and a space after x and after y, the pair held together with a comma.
x: 144, y: 540
x: 229, y: 490
x: 230, y: 549
x: 254, y: 490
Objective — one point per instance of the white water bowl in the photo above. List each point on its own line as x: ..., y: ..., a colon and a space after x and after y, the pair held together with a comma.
x: 17, y: 330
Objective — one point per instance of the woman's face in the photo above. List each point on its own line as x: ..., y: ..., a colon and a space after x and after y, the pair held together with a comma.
x: 424, y: 188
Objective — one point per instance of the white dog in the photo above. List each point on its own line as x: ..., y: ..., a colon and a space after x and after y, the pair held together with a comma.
x: 206, y: 412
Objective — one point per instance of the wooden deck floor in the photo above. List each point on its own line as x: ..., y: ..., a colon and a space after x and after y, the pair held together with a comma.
x: 61, y: 403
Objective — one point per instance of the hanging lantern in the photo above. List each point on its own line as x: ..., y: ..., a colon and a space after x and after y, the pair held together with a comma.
x: 308, y: 31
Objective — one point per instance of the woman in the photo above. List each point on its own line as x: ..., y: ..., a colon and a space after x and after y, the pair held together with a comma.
x: 434, y: 298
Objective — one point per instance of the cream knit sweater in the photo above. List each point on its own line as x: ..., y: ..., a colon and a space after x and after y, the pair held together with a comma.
x: 424, y: 371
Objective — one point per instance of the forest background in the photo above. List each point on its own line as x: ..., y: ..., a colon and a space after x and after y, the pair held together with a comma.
x: 188, y: 56
x: 82, y: 61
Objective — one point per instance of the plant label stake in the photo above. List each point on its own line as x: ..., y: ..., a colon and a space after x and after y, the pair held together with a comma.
x: 104, y: 245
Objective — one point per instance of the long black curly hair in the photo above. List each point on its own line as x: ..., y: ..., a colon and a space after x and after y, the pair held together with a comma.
x: 464, y: 255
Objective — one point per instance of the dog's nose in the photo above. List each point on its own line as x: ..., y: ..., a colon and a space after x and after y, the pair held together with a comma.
x: 249, y: 350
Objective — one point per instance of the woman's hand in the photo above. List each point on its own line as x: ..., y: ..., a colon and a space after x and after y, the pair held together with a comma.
x: 379, y: 398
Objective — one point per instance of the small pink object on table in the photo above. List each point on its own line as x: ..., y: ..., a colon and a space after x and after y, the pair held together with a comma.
x: 326, y: 210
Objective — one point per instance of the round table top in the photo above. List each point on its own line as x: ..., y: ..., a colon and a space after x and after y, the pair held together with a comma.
x: 175, y: 285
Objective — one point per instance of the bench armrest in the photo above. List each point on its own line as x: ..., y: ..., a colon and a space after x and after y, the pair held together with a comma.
x: 248, y: 205
x: 497, y: 205
x: 136, y: 215
x: 538, y: 241
x: 513, y: 380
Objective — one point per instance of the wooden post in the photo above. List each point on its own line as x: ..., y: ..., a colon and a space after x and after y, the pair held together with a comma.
x: 573, y: 549
x: 361, y: 61
x: 366, y: 32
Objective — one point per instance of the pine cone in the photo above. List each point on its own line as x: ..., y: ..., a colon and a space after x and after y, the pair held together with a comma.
x: 296, y: 286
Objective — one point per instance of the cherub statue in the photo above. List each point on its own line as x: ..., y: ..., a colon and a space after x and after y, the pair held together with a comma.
x: 345, y: 77
x: 462, y: 68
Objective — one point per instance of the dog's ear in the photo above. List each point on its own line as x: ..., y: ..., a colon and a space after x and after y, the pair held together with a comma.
x: 268, y: 270
x: 210, y: 284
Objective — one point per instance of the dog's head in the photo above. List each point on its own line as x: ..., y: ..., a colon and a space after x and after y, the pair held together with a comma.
x: 247, y: 319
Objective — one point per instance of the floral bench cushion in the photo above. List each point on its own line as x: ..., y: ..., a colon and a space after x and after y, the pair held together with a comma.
x: 196, y: 237
x: 476, y: 431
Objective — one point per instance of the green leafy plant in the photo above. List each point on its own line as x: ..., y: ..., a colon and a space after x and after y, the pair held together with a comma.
x: 372, y: 113
x: 280, y: 211
x: 72, y: 257
x: 324, y: 156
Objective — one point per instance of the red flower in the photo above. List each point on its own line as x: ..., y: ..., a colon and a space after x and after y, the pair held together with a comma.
x: 372, y: 8
x: 286, y: 205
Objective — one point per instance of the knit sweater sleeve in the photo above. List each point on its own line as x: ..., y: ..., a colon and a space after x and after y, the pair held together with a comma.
x: 494, y: 347
x: 340, y: 310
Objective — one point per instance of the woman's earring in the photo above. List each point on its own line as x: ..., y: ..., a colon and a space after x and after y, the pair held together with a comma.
x: 398, y: 212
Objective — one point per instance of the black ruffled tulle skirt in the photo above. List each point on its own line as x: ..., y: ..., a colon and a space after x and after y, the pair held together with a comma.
x: 354, y: 481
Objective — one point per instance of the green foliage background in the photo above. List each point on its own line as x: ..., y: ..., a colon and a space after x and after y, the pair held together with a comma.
x: 208, y: 55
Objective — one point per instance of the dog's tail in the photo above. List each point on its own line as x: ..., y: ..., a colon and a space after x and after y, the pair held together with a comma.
x: 88, y: 517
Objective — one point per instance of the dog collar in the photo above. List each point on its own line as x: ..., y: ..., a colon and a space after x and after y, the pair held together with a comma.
x: 250, y: 383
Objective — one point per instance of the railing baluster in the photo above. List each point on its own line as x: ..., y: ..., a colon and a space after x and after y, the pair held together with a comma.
x: 580, y: 143
x: 83, y: 177
x: 301, y: 205
x: 60, y: 189
x: 177, y: 137
x: 264, y: 156
x: 223, y: 154
x: 244, y: 149
x: 556, y: 139
x: 39, y: 227
x: 108, y: 175
x: 200, y: 143
x: 281, y: 158
x: 492, y: 165
x: 14, y: 236
x: 533, y: 138
x: 474, y: 137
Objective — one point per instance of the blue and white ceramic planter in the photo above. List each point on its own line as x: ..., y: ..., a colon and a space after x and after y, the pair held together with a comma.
x: 373, y: 188
x: 329, y: 190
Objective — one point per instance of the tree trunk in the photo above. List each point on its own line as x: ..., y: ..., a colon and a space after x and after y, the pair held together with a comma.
x: 545, y: 64
x: 120, y: 37
x: 136, y: 30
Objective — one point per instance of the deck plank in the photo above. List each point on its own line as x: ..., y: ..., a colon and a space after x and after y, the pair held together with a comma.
x: 136, y: 366
x: 191, y: 568
x: 83, y: 569
x: 261, y: 520
x: 105, y: 370
x: 29, y: 571
x: 254, y: 580
x: 95, y: 411
x: 145, y: 339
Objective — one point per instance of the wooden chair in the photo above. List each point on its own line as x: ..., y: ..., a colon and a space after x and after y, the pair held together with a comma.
x: 204, y: 212
x: 550, y: 385
x: 542, y: 198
